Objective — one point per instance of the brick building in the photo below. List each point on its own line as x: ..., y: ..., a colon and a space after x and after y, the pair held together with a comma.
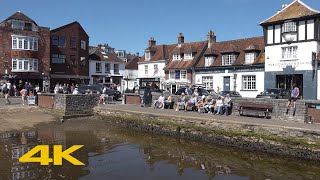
x: 69, y: 54
x: 24, y: 50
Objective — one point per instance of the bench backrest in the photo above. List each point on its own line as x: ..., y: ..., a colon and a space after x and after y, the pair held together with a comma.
x: 256, y: 105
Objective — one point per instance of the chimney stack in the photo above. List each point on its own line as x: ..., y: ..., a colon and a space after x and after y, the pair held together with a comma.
x: 137, y: 54
x: 152, y: 42
x: 180, y: 38
x: 211, y: 38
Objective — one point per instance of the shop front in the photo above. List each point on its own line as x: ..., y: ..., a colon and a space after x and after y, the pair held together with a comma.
x: 153, y: 82
x: 305, y: 80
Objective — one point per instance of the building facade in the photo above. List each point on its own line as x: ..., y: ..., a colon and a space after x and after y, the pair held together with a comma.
x: 152, y: 63
x: 131, y: 73
x: 106, y: 67
x: 292, y: 43
x: 69, y: 54
x: 24, y: 50
x: 235, y: 65
x: 182, y: 60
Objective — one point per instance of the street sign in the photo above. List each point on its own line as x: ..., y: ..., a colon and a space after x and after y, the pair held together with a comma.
x: 31, y: 100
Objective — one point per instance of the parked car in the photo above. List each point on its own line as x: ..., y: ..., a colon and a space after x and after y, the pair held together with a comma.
x: 231, y: 93
x: 275, y: 93
x: 201, y: 91
x: 86, y: 88
x: 109, y: 85
x: 95, y: 88
x: 110, y: 91
x: 212, y: 92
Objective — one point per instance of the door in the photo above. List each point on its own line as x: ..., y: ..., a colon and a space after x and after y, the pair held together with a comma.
x: 226, y: 83
x: 173, y: 88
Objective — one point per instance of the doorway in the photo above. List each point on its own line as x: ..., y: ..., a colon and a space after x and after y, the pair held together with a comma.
x: 287, y: 81
x: 226, y: 83
x: 173, y: 89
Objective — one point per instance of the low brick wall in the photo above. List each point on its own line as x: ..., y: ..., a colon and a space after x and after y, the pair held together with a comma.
x: 132, y: 99
x: 46, y: 100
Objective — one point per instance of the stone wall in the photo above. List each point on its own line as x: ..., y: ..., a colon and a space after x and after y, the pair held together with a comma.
x: 81, y: 104
x: 279, y: 107
x: 298, y: 142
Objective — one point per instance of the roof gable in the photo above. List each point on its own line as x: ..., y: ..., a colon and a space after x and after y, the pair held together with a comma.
x: 20, y: 16
x: 68, y: 25
x: 98, y: 54
x: 133, y: 63
x: 296, y: 9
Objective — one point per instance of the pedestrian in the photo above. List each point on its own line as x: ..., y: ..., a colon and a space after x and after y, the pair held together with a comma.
x: 56, y: 89
x: 5, y: 91
x: 65, y: 89
x: 23, y: 93
x: 295, y: 92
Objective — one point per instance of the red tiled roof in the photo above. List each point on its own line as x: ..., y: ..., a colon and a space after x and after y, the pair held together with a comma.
x: 296, y: 9
x: 20, y: 16
x: 196, y: 47
x: 99, y: 55
x: 159, y: 52
x: 240, y: 45
x: 133, y: 63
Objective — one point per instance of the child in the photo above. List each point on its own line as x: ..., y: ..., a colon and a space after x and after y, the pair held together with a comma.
x: 23, y: 93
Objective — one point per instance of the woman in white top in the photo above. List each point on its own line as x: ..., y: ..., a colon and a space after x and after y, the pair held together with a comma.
x: 219, y: 105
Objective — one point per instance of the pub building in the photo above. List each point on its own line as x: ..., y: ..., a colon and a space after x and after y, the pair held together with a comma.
x: 291, y: 46
x: 24, y: 51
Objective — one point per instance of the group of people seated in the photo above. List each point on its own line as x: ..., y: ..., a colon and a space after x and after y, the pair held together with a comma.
x: 204, y: 104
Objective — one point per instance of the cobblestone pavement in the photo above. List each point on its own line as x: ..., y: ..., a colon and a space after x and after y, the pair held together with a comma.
x: 234, y: 118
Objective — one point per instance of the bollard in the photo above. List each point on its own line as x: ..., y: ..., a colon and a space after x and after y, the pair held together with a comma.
x: 123, y: 99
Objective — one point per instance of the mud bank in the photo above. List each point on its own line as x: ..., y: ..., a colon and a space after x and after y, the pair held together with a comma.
x: 16, y: 118
x: 300, y: 143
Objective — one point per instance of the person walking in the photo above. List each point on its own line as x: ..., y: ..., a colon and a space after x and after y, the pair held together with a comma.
x: 294, y: 97
x: 23, y: 93
x: 5, y: 91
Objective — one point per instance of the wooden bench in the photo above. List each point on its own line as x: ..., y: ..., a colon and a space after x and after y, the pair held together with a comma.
x: 256, y: 109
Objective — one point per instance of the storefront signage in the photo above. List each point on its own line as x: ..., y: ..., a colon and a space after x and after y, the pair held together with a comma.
x: 293, y: 64
x: 8, y: 76
x: 31, y: 100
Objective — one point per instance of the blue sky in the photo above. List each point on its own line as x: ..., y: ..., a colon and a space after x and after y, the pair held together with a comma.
x: 128, y: 24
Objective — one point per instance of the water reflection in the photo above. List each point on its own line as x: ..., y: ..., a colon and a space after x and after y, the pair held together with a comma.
x: 111, y: 153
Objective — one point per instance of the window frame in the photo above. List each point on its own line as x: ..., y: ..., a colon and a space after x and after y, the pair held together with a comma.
x: 289, y: 27
x: 176, y: 57
x: 98, y: 67
x: 230, y: 58
x: 116, y: 68
x: 188, y: 56
x: 208, y: 61
x: 146, y: 70
x: 26, y: 43
x: 107, y: 68
x: 58, y: 58
x: 249, y: 82
x: 289, y: 52
x: 183, y: 75
x: 207, y: 80
x: 172, y: 75
x: 73, y: 42
x: 250, y: 57
x: 25, y: 65
x: 73, y: 60
x: 83, y: 45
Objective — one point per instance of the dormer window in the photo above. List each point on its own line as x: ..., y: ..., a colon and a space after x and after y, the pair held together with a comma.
x: 188, y: 56
x: 228, y: 59
x: 208, y: 61
x: 250, y: 57
x: 22, y: 25
x: 289, y: 27
x: 176, y: 57
x: 147, y: 55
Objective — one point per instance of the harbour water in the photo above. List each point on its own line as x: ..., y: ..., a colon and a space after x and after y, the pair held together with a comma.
x: 113, y: 153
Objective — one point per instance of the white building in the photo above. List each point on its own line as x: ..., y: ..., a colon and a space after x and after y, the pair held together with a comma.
x: 151, y: 65
x: 292, y: 43
x: 131, y: 73
x: 106, y: 67
x: 236, y: 65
